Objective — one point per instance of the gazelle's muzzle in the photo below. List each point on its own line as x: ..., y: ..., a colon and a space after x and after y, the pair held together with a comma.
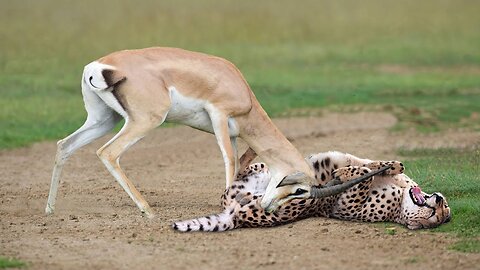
x: 271, y: 204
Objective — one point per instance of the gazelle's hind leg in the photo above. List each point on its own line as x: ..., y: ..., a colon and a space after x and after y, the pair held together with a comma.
x: 100, y: 120
x: 111, y: 152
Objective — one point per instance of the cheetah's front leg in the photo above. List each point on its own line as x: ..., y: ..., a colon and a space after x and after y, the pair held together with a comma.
x: 396, y: 166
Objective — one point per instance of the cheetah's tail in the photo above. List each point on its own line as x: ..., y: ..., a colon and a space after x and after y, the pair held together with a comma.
x: 213, y: 223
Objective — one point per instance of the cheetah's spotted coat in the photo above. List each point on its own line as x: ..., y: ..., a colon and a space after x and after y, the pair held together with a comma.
x: 392, y: 196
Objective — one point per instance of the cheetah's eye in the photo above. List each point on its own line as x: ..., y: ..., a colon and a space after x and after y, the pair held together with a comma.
x: 299, y: 191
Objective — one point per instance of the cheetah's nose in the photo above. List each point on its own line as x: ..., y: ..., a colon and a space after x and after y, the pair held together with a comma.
x: 448, y: 219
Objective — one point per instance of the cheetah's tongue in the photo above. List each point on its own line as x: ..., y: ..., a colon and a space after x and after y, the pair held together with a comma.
x: 417, y: 192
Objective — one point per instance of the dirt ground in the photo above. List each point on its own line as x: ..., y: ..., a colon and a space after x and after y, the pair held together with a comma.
x: 180, y: 172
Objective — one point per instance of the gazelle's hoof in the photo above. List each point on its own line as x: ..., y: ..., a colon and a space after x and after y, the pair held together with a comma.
x: 147, y: 212
x: 49, y: 210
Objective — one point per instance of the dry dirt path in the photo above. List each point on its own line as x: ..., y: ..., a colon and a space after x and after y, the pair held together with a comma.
x: 180, y: 172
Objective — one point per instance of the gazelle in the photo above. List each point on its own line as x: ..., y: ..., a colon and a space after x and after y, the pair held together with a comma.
x: 150, y: 86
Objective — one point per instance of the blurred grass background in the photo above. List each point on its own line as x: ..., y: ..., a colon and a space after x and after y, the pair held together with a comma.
x: 417, y: 59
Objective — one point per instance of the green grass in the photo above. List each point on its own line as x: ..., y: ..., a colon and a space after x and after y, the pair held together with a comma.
x: 454, y: 173
x: 10, y: 263
x: 419, y: 60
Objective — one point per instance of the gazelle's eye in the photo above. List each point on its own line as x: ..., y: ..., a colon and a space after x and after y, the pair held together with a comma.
x: 299, y: 191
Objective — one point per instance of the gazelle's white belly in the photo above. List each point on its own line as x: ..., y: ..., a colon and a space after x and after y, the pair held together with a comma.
x: 191, y: 112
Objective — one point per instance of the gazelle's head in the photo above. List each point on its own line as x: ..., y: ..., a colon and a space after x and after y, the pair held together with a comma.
x: 299, y: 186
x: 293, y: 186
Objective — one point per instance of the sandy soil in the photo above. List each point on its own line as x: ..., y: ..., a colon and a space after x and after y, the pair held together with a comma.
x: 180, y: 172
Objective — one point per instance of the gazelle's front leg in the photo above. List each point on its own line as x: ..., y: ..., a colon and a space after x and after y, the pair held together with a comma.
x: 226, y: 143
x: 236, y: 169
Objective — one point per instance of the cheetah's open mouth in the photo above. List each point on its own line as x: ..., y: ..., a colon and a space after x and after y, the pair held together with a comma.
x: 417, y: 196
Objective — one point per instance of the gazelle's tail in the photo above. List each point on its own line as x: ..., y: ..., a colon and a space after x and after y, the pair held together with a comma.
x: 98, y: 76
x: 214, y: 223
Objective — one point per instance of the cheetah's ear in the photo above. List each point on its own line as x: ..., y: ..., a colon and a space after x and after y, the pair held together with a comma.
x: 292, y: 179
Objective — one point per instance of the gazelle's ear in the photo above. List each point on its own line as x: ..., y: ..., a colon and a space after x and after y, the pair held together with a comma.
x: 292, y: 179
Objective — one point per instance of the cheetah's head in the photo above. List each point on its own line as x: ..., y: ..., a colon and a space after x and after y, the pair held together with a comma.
x: 422, y: 210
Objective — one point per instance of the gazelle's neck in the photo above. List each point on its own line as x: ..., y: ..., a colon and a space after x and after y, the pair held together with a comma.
x: 270, y: 144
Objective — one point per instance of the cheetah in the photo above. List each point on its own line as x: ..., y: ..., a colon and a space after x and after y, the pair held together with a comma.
x: 390, y: 196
